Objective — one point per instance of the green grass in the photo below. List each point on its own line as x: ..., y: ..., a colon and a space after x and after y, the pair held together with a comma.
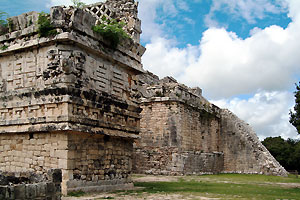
x: 249, y: 178
x: 226, y: 186
x: 76, y: 194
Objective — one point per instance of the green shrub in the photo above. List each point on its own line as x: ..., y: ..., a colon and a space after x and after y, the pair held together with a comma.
x: 4, y: 47
x: 78, y: 4
x: 111, y: 30
x: 45, y: 29
x: 3, y: 23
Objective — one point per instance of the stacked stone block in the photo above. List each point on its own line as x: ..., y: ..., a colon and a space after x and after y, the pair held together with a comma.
x: 180, y: 130
x: 243, y: 152
x: 67, y: 100
x: 182, y: 133
x: 48, y: 187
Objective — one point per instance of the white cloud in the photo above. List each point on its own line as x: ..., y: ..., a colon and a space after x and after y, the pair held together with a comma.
x: 229, y: 65
x: 224, y: 65
x: 164, y: 59
x: 266, y: 112
x: 148, y: 15
x: 182, y: 5
x: 250, y: 10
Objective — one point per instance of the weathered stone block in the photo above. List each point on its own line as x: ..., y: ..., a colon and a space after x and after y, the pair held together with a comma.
x: 20, y: 191
x: 31, y: 191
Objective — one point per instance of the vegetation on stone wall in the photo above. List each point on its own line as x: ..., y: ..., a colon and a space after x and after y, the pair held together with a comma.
x: 4, y: 47
x: 78, y: 4
x: 286, y: 152
x: 111, y: 30
x: 295, y: 116
x: 45, y: 29
x: 3, y: 23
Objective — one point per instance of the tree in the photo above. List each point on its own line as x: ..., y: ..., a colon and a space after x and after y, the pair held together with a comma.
x: 295, y: 116
x: 278, y: 148
x: 286, y: 152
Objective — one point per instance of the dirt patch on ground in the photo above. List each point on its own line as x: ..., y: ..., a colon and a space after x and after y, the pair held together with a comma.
x: 151, y: 178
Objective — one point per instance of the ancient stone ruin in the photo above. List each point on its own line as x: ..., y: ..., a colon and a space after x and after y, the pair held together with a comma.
x: 182, y: 133
x: 67, y: 101
x: 70, y: 101
x: 29, y: 185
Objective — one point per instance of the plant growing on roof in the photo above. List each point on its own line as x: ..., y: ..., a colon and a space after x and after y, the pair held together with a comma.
x: 111, y: 30
x: 3, y: 23
x: 45, y: 28
x: 4, y: 47
x: 78, y: 4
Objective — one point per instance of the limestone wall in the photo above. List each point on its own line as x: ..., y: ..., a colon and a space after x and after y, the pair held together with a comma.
x: 180, y: 130
x: 169, y: 123
x: 124, y: 10
x: 51, y: 81
x: 67, y: 101
x: 97, y: 162
x: 243, y: 152
x: 182, y: 133
x: 29, y: 186
x: 37, y: 152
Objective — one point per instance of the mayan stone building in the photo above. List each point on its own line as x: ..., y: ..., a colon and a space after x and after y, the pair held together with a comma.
x: 69, y: 101
x: 182, y: 133
x: 66, y: 101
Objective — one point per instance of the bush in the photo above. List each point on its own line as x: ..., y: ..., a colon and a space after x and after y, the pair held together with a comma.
x: 3, y: 23
x: 45, y: 29
x: 4, y: 47
x: 112, y: 31
x: 78, y: 4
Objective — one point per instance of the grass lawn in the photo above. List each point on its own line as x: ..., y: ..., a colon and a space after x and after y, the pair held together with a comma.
x: 223, y: 186
x: 229, y: 186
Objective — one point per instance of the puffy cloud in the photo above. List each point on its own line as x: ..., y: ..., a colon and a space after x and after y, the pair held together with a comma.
x: 250, y: 10
x: 266, y: 112
x: 229, y: 65
x: 164, y: 59
x: 226, y: 66
x: 148, y: 15
x: 294, y: 7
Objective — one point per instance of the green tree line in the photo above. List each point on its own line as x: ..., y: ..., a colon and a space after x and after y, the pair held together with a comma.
x: 286, y: 152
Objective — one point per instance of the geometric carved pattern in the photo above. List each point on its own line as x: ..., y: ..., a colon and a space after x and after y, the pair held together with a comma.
x: 101, y: 12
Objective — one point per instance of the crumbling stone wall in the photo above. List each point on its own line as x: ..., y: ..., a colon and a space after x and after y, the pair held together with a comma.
x: 30, y: 186
x: 124, y: 10
x: 182, y: 133
x: 243, y: 152
x: 63, y: 93
x: 99, y: 163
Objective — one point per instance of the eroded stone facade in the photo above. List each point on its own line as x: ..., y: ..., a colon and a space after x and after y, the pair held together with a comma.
x: 71, y: 102
x: 67, y: 101
x: 182, y: 133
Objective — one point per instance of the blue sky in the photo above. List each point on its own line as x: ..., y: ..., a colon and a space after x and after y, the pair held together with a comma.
x: 242, y: 53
